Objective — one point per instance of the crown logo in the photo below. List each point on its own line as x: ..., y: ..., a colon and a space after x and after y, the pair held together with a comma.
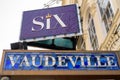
x: 48, y: 16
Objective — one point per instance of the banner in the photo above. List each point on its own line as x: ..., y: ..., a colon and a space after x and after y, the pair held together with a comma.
x: 60, y: 61
x: 51, y: 23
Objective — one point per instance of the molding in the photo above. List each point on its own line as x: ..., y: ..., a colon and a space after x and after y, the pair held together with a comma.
x: 111, y: 34
x: 93, y: 8
x: 88, y: 5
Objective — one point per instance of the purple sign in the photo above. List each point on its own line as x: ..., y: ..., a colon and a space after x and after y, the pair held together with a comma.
x: 51, y: 23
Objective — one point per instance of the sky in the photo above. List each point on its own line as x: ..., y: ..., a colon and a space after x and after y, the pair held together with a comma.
x: 11, y: 18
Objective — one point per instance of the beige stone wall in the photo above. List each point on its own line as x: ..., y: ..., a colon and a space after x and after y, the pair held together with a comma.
x: 112, y: 40
x: 115, y: 4
x: 67, y: 2
x: 91, y: 7
x: 106, y: 40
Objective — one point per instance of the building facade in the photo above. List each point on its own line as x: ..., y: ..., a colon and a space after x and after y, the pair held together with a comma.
x: 101, y: 31
x: 100, y: 24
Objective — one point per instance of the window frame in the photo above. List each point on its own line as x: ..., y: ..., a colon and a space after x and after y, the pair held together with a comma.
x: 92, y: 33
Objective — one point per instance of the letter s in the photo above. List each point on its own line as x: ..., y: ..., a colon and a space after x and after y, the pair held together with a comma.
x: 40, y: 24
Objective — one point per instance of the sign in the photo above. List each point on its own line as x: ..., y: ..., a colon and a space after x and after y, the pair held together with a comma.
x: 60, y: 61
x: 51, y: 23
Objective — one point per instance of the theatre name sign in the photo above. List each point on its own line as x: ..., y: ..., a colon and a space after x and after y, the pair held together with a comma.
x: 59, y: 60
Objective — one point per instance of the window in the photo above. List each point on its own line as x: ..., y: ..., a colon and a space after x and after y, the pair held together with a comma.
x: 92, y: 33
x: 106, y: 13
x: 107, y: 17
x: 102, y: 5
x: 106, y: 23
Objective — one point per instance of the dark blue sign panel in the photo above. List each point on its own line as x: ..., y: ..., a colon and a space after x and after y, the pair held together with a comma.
x: 50, y: 23
x: 60, y: 61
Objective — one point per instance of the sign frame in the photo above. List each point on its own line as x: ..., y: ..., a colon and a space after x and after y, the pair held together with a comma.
x: 58, y: 72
